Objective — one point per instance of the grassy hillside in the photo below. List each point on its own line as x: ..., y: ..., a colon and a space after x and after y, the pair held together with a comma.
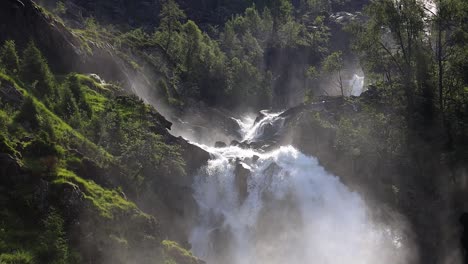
x: 75, y: 153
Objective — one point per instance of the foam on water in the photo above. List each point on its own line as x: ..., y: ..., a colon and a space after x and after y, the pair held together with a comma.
x: 293, y: 212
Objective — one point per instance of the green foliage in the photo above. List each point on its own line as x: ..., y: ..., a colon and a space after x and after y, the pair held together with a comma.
x: 106, y: 202
x: 9, y: 57
x: 60, y: 8
x: 52, y: 243
x: 28, y: 114
x: 35, y: 71
x: 174, y: 253
x: 372, y: 134
x: 170, y: 21
x: 333, y: 64
x: 18, y: 257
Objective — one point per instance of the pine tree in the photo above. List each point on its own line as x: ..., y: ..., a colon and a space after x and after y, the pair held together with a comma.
x: 35, y: 71
x: 9, y: 57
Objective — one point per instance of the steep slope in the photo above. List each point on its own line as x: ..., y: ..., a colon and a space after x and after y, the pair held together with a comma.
x: 86, y: 161
x: 51, y: 171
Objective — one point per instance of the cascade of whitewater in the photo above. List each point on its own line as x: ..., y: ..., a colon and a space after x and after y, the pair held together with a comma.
x: 283, y: 207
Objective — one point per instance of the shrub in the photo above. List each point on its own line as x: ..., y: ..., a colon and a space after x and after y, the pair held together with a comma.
x: 18, y: 257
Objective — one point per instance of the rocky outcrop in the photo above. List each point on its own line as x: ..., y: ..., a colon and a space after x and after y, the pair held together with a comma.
x: 65, y: 51
x: 220, y: 144
x: 9, y: 94
x: 241, y: 180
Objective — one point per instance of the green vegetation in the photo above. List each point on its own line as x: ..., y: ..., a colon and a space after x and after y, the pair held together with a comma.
x: 9, y: 57
x: 60, y: 132
x: 78, y: 148
x: 36, y: 74
x: 174, y: 254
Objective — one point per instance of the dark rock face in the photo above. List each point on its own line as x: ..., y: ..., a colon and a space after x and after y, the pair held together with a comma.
x: 9, y: 94
x: 241, y: 180
x: 220, y: 144
x: 10, y: 170
x: 31, y: 24
x: 64, y: 51
x: 464, y: 237
x: 259, y: 117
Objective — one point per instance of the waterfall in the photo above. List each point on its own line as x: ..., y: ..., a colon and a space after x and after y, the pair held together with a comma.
x: 282, y: 207
x: 356, y: 85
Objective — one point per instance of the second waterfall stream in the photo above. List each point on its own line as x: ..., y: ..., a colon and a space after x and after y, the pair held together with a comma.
x: 282, y: 207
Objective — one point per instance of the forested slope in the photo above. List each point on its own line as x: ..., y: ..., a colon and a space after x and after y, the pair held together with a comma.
x: 90, y: 173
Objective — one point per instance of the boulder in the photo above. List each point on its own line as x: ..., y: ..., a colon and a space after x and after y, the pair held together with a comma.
x: 242, y: 175
x: 272, y: 170
x: 259, y: 117
x: 220, y: 144
x: 255, y: 158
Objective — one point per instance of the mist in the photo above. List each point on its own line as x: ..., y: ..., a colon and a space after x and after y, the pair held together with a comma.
x: 281, y: 206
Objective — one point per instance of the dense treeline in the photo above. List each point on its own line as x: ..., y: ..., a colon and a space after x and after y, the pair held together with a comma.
x: 255, y: 59
x: 417, y: 56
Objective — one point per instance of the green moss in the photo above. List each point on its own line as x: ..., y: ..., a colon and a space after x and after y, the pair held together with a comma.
x: 63, y: 132
x: 174, y: 253
x: 18, y: 257
x: 107, y: 202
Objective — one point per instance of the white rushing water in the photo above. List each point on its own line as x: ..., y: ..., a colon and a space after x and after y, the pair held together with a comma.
x: 356, y: 85
x: 283, y: 207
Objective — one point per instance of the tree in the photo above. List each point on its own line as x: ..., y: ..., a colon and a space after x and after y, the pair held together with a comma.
x: 35, y: 71
x: 28, y: 114
x: 404, y: 21
x: 9, y: 57
x: 193, y: 39
x: 334, y: 64
x: 171, y: 16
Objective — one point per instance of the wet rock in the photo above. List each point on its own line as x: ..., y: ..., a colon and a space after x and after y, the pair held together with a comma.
x: 255, y: 158
x: 259, y: 117
x: 241, y: 179
x: 41, y: 195
x: 9, y: 169
x: 221, y: 238
x: 9, y: 94
x: 220, y: 144
x: 236, y: 143
x: 97, y: 78
x: 271, y: 170
x: 71, y: 201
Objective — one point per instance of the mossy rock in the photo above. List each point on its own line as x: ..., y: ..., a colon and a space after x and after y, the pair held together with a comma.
x: 174, y: 253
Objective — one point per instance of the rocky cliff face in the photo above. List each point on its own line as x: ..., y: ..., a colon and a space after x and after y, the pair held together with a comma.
x: 25, y: 21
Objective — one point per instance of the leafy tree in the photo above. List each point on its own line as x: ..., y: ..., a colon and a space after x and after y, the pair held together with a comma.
x: 9, y: 57
x: 333, y: 64
x: 404, y: 20
x: 35, y: 71
x: 192, y: 48
x: 171, y: 16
